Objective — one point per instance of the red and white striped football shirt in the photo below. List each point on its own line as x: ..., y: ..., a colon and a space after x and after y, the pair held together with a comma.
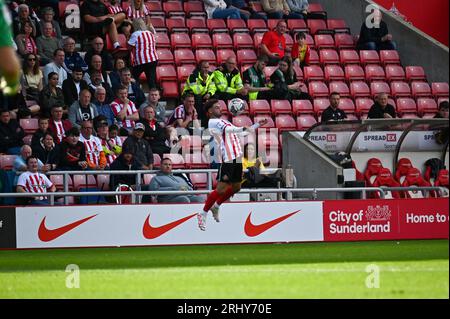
x: 137, y: 13
x: 115, y: 9
x: 117, y: 106
x: 144, y: 50
x: 230, y: 145
x: 60, y: 132
x: 115, y: 141
x: 93, y: 147
x: 34, y: 182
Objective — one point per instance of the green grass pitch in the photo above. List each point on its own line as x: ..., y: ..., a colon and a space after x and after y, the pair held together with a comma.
x: 407, y: 269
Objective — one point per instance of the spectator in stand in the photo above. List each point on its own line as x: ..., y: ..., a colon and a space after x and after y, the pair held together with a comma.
x: 119, y: 63
x: 185, y: 115
x: 25, y: 40
x: 246, y: 9
x: 48, y: 14
x: 139, y: 147
x: 138, y: 10
x: 125, y: 111
x: 56, y: 66
x: 97, y: 82
x: 126, y: 28
x: 57, y: 126
x: 255, y: 81
x: 41, y: 131
x: 201, y: 84
x: 96, y: 65
x: 135, y: 93
x: 95, y: 156
x: 73, y: 154
x: 34, y: 182
x: 126, y: 161
x: 273, y: 43
x: 11, y: 134
x: 116, y: 9
x: 302, y: 7
x: 145, y: 57
x: 381, y: 109
x: 23, y: 17
x: 73, y: 86
x: 20, y: 163
x: 153, y: 101
x: 97, y: 20
x: 47, y: 152
x: 45, y: 3
x: 279, y: 9
x: 217, y: 9
x: 31, y: 81
x: 333, y: 112
x: 72, y: 59
x: 47, y: 44
x: 301, y: 52
x: 228, y: 81
x: 154, y: 134
x: 285, y: 83
x: 443, y: 111
x: 98, y: 48
x: 82, y: 110
x: 112, y: 147
x: 51, y: 95
x: 374, y: 34
x: 442, y: 136
x: 103, y: 108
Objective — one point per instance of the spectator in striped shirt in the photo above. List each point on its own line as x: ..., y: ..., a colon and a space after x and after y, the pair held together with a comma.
x: 125, y: 111
x: 117, y: 11
x: 185, y: 115
x: 135, y: 93
x: 145, y: 58
x: 34, y: 182
x: 137, y: 10
x: 112, y: 146
x: 95, y: 157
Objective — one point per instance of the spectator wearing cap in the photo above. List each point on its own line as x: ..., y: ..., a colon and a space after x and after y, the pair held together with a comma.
x: 72, y: 59
x: 82, y: 110
x: 140, y: 147
x: 73, y: 86
x: 47, y: 17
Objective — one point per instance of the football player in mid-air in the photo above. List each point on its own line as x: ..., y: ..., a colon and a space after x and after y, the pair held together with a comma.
x: 230, y: 172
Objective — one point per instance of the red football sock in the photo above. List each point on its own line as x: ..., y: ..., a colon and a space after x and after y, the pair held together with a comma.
x: 228, y: 193
x: 210, y: 200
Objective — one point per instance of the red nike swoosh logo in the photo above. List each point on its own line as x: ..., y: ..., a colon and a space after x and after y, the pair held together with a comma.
x: 151, y: 232
x: 46, y: 234
x: 253, y: 230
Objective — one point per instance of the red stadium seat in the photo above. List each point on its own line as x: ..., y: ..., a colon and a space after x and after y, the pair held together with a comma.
x: 442, y: 178
x: 103, y: 182
x: 313, y: 73
x: 173, y: 9
x: 310, y: 41
x: 223, y: 54
x: 180, y: 40
x: 298, y: 72
x: 374, y: 166
x: 378, y: 87
x: 369, y: 57
x: 415, y: 73
x: 406, y: 105
x: 317, y: 8
x: 304, y: 122
x: 170, y: 89
x: 426, y: 105
x: 259, y: 107
x: 344, y: 41
x: 272, y: 23
x: 27, y: 139
x: 242, y: 41
x: 197, y: 25
x: 200, y: 180
x: 147, y: 178
x: 389, y: 57
x: 354, y: 72
x: 349, y: 57
x: 165, y: 56
x: 297, y: 25
x: 205, y: 55
x: 385, y: 178
x: 58, y: 181
x: 29, y: 125
x: 439, y: 89
x: 314, y: 57
x: 7, y: 161
x: 257, y: 25
x: 328, y: 56
x: 339, y: 87
x: 300, y: 107
x: 156, y: 160
x: 246, y: 56
x: 257, y: 38
x: 374, y: 72
x: 347, y: 105
x: 268, y: 71
x: 420, y: 89
x: 194, y: 8
x: 338, y: 26
x: 334, y: 73
x: 270, y: 123
x: 184, y: 56
x: 201, y: 40
x: 155, y: 8
x: 241, y: 121
x: 177, y: 160
x: 162, y: 40
x: 395, y: 73
x: 402, y: 167
x: 176, y: 24
x: 415, y: 178
x: 280, y: 107
x: 359, y: 89
x: 318, y: 26
x: 237, y: 25
x: 289, y: 40
x: 285, y: 122
x: 323, y: 41
x: 196, y: 161
x: 184, y: 71
x: 216, y: 25
x: 84, y: 181
x: 159, y: 23
x: 222, y: 40
x: 320, y: 105
x: 363, y: 105
x: 318, y: 89
x: 400, y: 89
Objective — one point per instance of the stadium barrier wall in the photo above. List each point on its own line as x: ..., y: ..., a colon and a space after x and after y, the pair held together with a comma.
x: 263, y: 222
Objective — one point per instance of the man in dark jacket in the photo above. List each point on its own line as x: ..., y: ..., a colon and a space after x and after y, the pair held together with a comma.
x: 11, y: 134
x: 73, y: 153
x: 72, y: 86
x: 48, y: 152
x: 140, y: 147
x: 125, y: 162
x: 374, y: 34
x: 381, y: 109
x: 154, y: 133
x: 333, y: 112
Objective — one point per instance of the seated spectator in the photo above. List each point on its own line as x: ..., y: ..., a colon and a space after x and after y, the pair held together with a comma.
x: 201, y: 84
x: 32, y: 181
x: 57, y: 126
x: 98, y: 48
x: 185, y: 115
x: 217, y: 9
x: 301, y: 52
x: 51, y: 95
x: 119, y: 63
x: 41, y: 131
x: 138, y: 10
x: 31, y: 81
x: 374, y: 34
x: 246, y: 9
x: 124, y: 110
x: 112, y: 146
x: 154, y: 134
x: 139, y: 147
x: 47, y: 44
x: 443, y: 111
x: 103, y: 108
x: 25, y: 41
x: 381, y: 109
x: 73, y: 86
x: 126, y: 161
x: 95, y: 157
x: 97, y: 20
x: 72, y: 59
x: 279, y: 9
x: 302, y: 7
x: 126, y: 29
x: 255, y: 81
x: 333, y: 112
x: 153, y: 101
x: 442, y: 136
x: 11, y: 134
x: 56, y: 66
x: 273, y: 43
x: 115, y: 8
x: 165, y: 180
x: 20, y: 163
x: 285, y: 82
x: 48, y: 14
x: 135, y: 93
x: 82, y: 110
x: 96, y: 66
x: 97, y: 82
x: 23, y: 17
x: 228, y: 81
x: 73, y: 154
x: 47, y: 152
x: 254, y: 175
